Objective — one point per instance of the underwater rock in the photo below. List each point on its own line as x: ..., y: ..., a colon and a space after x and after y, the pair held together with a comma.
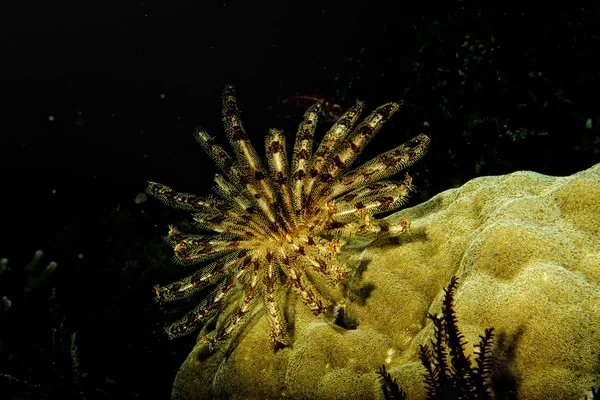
x: 525, y: 248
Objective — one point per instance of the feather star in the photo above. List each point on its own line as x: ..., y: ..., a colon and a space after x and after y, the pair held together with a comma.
x: 269, y: 229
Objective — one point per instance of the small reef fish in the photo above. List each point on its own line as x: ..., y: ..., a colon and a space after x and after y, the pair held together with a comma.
x: 330, y: 112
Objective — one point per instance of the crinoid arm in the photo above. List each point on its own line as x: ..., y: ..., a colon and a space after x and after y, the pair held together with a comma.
x: 270, y: 228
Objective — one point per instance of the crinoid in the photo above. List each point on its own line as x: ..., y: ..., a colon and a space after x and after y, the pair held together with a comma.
x: 279, y: 227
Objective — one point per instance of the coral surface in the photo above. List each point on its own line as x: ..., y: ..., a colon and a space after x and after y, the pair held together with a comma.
x: 526, y: 250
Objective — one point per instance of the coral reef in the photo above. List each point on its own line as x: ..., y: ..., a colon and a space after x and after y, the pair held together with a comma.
x: 39, y: 357
x: 525, y: 248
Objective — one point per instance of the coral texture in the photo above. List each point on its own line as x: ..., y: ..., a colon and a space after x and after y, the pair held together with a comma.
x: 526, y: 250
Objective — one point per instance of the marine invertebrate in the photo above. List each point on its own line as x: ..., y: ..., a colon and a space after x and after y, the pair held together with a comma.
x: 281, y: 226
x: 389, y: 386
x: 450, y: 374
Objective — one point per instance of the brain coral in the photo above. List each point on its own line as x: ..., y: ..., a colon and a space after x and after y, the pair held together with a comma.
x: 526, y: 250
